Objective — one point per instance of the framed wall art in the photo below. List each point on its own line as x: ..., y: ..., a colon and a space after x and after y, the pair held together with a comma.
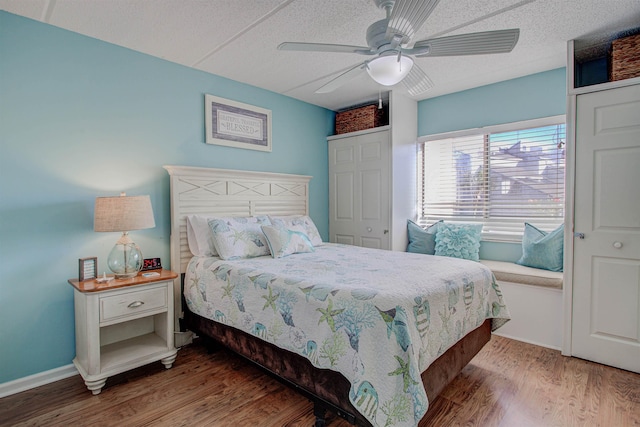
x: 235, y: 124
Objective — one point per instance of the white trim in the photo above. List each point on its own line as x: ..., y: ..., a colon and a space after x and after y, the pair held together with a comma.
x: 604, y: 86
x: 37, y: 380
x: 570, y: 73
x: 518, y: 338
x: 506, y: 127
x: 403, y: 112
x: 358, y: 132
x: 569, y: 194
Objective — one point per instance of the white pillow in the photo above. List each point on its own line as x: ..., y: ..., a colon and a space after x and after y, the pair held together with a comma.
x: 299, y: 223
x: 199, y: 236
x: 240, y: 237
x: 283, y: 241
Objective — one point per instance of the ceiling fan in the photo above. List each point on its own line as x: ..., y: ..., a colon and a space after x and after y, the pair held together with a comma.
x: 388, y: 41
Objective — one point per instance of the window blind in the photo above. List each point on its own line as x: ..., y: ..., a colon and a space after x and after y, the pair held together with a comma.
x: 501, y: 179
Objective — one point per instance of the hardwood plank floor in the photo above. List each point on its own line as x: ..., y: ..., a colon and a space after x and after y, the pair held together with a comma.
x: 509, y: 383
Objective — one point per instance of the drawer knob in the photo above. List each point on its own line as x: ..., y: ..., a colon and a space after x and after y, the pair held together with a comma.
x: 135, y: 304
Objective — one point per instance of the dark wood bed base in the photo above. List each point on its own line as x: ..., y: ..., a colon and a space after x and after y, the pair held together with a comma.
x: 329, y: 390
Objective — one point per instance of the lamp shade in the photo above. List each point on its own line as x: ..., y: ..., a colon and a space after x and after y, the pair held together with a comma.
x: 388, y: 70
x: 123, y: 213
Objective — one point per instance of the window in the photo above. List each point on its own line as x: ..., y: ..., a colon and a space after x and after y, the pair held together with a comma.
x: 501, y: 176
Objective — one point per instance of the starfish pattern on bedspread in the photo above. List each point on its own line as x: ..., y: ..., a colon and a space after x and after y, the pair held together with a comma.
x: 368, y: 314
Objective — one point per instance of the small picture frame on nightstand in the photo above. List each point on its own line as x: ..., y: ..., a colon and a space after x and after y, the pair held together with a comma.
x: 88, y: 268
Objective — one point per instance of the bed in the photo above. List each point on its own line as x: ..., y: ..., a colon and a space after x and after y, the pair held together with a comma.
x: 356, y: 330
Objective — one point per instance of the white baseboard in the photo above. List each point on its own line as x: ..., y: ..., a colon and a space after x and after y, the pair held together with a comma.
x: 182, y: 338
x: 36, y: 380
x: 536, y: 314
x: 519, y: 338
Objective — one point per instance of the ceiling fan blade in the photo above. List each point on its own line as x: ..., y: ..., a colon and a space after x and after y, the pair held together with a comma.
x: 323, y: 47
x: 407, y: 16
x: 501, y: 41
x: 343, y: 78
x: 417, y: 81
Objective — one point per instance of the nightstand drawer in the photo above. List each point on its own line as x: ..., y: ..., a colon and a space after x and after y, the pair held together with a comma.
x: 132, y: 303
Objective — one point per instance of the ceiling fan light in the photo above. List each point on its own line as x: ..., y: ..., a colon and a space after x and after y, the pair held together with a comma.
x: 387, y: 70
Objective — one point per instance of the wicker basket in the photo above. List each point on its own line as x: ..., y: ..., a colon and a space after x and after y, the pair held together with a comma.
x: 361, y: 118
x: 625, y: 58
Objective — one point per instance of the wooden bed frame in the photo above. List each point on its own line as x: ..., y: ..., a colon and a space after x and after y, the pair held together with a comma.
x: 224, y: 192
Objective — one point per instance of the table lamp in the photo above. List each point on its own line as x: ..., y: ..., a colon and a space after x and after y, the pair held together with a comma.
x: 123, y: 213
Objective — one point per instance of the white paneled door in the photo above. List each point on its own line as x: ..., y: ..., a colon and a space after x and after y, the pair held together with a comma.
x: 359, y: 190
x: 606, y: 264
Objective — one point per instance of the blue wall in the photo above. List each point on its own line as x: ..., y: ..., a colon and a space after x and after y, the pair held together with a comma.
x: 81, y: 118
x: 525, y: 98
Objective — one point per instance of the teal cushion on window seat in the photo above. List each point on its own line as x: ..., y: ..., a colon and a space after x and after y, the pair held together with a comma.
x: 421, y: 240
x: 541, y: 249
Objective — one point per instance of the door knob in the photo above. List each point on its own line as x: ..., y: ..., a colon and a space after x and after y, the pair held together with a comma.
x: 369, y: 229
x: 578, y: 235
x: 617, y: 245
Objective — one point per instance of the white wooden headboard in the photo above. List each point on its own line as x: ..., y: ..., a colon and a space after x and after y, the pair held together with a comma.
x: 225, y: 192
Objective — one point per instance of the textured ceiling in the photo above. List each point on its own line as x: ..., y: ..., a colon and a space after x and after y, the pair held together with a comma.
x: 238, y: 38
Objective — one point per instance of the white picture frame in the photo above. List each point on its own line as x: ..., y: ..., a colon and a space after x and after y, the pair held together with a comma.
x: 235, y: 124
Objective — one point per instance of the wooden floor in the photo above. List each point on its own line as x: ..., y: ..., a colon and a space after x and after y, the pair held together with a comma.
x: 508, y: 383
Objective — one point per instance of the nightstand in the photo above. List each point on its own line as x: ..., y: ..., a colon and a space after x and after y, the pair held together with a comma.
x: 122, y: 324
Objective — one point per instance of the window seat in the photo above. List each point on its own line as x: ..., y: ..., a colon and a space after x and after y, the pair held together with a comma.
x: 516, y: 273
x: 525, y: 291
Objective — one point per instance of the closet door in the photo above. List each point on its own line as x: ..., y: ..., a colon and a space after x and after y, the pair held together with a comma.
x: 359, y: 190
x: 606, y: 263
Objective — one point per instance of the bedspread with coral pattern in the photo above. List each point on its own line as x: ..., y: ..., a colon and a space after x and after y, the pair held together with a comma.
x: 377, y: 317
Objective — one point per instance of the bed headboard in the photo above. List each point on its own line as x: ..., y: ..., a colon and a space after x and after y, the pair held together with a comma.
x: 225, y: 192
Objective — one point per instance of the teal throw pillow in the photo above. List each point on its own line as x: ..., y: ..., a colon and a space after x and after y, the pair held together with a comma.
x: 459, y: 240
x: 422, y: 241
x: 541, y: 249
